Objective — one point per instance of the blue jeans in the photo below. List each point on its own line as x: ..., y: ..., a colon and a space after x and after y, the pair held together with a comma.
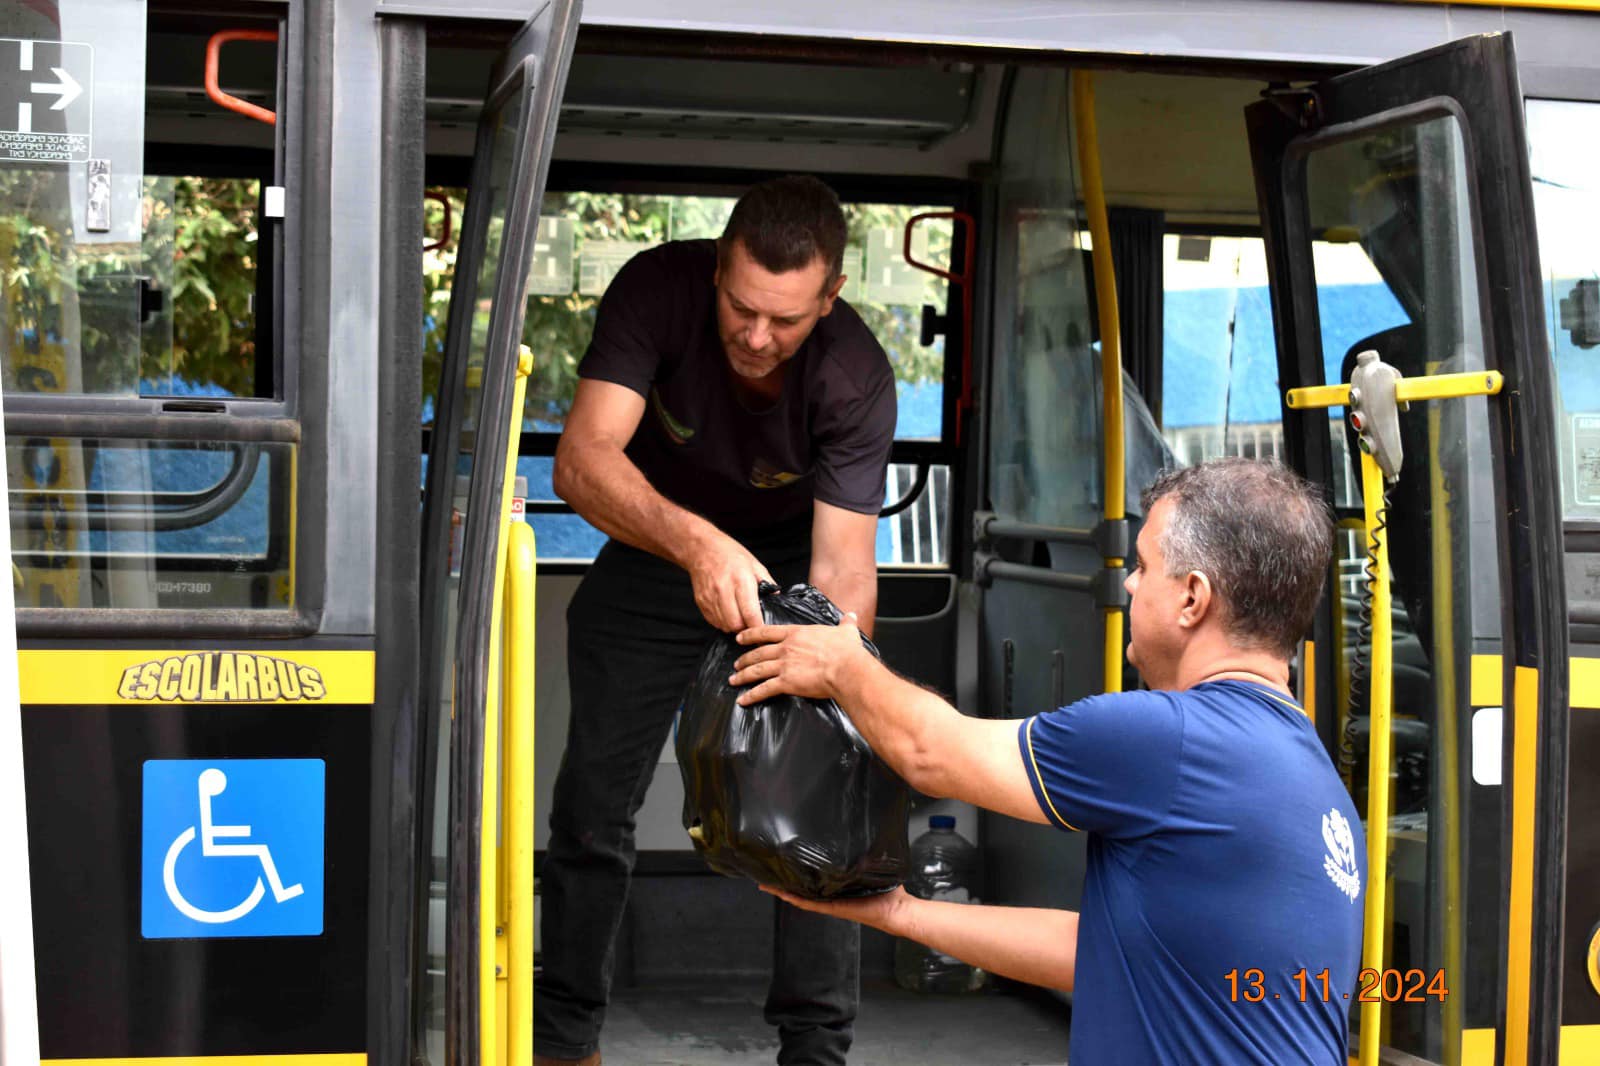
x: 634, y: 639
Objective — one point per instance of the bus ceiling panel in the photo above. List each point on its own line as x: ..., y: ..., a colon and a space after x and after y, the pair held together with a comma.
x: 1255, y: 31
x: 727, y: 100
x: 1174, y: 143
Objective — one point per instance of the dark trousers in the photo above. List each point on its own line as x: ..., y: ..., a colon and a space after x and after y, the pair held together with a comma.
x: 634, y: 640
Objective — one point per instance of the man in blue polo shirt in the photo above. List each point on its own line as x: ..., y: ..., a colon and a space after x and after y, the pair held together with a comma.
x: 1221, y: 917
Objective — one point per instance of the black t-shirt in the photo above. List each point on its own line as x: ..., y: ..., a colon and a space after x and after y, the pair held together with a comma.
x: 699, y: 443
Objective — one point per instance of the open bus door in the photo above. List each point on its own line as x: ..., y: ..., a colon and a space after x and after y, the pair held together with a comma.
x: 462, y: 523
x: 1418, y: 168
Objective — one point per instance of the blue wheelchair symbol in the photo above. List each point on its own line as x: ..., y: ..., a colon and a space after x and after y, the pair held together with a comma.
x: 232, y: 847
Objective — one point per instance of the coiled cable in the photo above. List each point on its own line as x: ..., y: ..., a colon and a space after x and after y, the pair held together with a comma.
x: 1360, y: 682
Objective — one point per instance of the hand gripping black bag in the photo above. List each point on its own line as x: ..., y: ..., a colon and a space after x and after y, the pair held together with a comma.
x: 786, y: 791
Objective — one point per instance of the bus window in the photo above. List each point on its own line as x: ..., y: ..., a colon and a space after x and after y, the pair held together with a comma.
x: 585, y: 238
x: 1562, y: 138
x: 202, y: 252
x: 1044, y: 433
x: 1219, y: 377
x: 168, y: 524
x: 138, y: 282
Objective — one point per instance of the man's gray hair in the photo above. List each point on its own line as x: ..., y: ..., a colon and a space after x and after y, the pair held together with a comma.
x: 1261, y: 533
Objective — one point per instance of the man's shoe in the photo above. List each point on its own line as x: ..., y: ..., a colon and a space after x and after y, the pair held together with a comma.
x: 587, y: 1060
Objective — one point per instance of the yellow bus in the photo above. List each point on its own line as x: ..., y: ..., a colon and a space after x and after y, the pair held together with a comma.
x: 269, y: 272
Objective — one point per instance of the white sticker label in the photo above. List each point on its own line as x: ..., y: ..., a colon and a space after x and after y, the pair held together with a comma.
x: 550, y: 269
x: 1586, y: 458
x: 46, y: 100
x: 1488, y: 745
x: 889, y: 278
x: 601, y: 260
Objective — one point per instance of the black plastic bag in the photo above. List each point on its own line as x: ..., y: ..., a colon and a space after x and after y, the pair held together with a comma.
x: 786, y: 791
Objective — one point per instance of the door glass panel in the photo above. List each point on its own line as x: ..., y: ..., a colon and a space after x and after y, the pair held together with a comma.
x: 1044, y: 426
x: 506, y: 129
x: 1564, y: 139
x: 118, y: 282
x: 1397, y: 274
x: 155, y: 524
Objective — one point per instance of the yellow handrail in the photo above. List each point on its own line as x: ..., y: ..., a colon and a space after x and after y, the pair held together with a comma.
x: 1105, y: 292
x: 518, y: 779
x: 1377, y: 752
x: 1381, y: 681
x: 1406, y: 390
x: 494, y: 962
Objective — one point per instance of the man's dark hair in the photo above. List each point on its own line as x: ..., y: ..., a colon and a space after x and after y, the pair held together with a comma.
x: 786, y: 223
x: 1261, y: 533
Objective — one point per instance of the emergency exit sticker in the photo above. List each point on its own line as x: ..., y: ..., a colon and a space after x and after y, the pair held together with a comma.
x: 46, y: 100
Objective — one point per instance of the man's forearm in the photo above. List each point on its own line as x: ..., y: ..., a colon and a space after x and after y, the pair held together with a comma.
x: 608, y: 491
x: 853, y: 590
x: 904, y: 723
x: 1032, y: 944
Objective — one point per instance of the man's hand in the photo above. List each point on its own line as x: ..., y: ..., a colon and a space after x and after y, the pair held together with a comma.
x: 725, y: 577
x: 797, y: 660
x: 880, y: 911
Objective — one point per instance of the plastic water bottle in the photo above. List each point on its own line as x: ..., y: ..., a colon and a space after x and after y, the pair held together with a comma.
x: 944, y: 866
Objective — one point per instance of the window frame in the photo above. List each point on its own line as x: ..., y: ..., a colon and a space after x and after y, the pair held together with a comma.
x: 294, y: 415
x: 941, y: 193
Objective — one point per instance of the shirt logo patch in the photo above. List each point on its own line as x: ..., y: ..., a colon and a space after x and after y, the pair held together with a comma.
x: 763, y: 475
x: 1340, y: 862
x: 676, y: 431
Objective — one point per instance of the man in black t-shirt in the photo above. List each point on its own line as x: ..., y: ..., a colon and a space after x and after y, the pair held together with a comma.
x: 732, y: 425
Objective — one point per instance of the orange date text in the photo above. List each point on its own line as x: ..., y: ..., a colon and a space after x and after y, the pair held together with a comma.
x: 1372, y: 986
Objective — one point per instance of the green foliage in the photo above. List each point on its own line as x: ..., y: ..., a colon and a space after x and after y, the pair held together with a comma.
x: 198, y: 250
x: 557, y: 328
x: 212, y: 230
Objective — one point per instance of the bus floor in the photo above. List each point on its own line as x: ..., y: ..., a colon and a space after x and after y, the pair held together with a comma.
x: 701, y: 1023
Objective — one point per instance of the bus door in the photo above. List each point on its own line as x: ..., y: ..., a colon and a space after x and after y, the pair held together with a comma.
x: 1416, y: 171
x: 462, y: 521
x: 1046, y: 554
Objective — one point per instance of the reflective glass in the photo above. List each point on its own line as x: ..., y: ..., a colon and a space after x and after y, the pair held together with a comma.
x: 116, y: 282
x: 506, y: 130
x: 584, y: 238
x: 150, y: 524
x: 1397, y: 274
x: 1564, y: 139
x: 1044, y: 420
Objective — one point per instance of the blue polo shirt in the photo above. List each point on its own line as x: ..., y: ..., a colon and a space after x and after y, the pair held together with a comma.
x: 1220, y: 840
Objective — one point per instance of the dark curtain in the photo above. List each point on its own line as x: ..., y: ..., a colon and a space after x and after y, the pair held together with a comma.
x: 1137, y: 260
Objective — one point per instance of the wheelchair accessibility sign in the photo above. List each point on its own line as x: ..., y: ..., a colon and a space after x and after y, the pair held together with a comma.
x: 232, y: 847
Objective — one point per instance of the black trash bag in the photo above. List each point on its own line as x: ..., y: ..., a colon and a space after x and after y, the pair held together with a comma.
x: 786, y: 791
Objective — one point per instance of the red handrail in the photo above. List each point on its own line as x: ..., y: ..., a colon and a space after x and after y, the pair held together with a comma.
x: 214, y: 91
x: 448, y: 230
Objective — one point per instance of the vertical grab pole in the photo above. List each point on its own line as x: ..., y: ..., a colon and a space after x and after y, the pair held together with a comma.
x: 1376, y: 395
x: 493, y: 894
x: 521, y: 568
x: 1105, y: 292
x: 1373, y: 947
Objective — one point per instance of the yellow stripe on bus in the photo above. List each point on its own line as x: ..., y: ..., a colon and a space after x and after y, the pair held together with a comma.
x: 1583, y: 682
x: 1554, y: 5
x: 133, y: 677
x: 1580, y: 1046
x: 1524, y: 794
x: 358, y: 1059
